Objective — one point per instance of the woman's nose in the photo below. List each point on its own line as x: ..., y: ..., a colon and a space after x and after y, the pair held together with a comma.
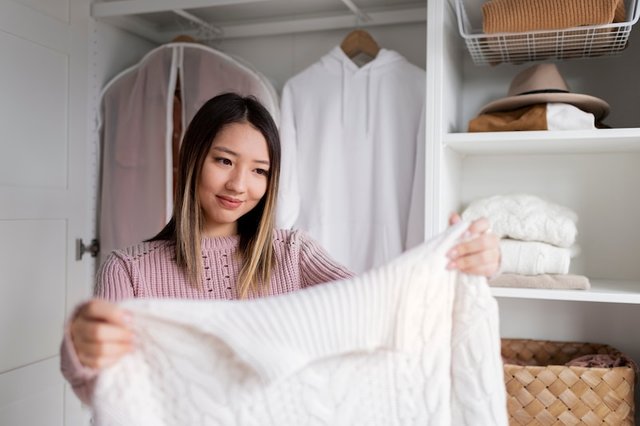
x: 237, y: 181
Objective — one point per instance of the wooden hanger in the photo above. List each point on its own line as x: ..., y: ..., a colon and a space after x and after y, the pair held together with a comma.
x: 183, y: 38
x: 359, y: 41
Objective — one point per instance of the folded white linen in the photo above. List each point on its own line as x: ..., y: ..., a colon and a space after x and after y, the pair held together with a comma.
x: 568, y: 117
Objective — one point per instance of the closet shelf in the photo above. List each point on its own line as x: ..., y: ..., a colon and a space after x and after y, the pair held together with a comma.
x: 517, y: 48
x: 160, y: 21
x: 545, y: 142
x: 601, y: 291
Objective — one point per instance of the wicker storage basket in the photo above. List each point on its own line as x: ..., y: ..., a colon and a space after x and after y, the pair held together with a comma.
x: 550, y: 393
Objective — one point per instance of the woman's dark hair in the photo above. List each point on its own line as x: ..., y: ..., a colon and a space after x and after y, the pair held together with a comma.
x: 255, y: 227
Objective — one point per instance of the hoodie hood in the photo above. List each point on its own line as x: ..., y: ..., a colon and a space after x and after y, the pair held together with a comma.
x: 337, y: 62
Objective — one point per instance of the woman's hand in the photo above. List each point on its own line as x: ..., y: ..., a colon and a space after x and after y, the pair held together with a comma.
x: 479, y: 254
x: 100, y: 334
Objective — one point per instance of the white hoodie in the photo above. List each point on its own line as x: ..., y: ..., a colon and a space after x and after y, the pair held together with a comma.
x: 353, y: 156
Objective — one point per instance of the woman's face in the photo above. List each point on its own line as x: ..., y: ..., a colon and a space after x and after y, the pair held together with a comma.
x: 234, y: 178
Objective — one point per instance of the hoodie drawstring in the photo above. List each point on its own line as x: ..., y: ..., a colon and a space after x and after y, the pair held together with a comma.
x: 346, y: 66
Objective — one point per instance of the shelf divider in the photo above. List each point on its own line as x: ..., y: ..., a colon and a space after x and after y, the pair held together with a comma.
x: 606, y: 291
x: 545, y: 142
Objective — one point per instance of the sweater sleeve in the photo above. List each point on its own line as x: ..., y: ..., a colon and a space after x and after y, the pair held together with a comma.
x: 114, y: 283
x: 316, y: 266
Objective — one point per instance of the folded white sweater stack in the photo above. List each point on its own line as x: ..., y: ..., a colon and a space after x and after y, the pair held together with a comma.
x: 536, y: 234
x: 409, y: 343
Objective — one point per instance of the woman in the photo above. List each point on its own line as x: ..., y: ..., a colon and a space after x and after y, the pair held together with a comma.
x: 220, y: 242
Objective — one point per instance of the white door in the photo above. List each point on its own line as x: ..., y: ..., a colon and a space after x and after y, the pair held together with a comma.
x: 43, y: 202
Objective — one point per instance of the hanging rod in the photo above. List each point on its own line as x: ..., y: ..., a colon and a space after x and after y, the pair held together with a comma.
x: 119, y: 8
x: 385, y: 16
x: 355, y: 9
x: 217, y: 31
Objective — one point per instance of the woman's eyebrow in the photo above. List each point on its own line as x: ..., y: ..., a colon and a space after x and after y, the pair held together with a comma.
x: 223, y: 149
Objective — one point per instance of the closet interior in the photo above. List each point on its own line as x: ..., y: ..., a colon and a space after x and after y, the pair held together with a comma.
x: 278, y: 39
x: 593, y: 172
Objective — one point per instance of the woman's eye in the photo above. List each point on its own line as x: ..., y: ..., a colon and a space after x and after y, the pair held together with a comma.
x: 223, y: 160
x: 262, y: 172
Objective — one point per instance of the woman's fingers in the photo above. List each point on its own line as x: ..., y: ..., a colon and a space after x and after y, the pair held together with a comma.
x: 99, y: 362
x: 479, y: 226
x: 479, y: 255
x: 101, y: 310
x: 454, y: 218
x: 100, y: 333
x: 475, y: 245
x: 485, y: 260
x: 96, y: 332
x: 106, y: 350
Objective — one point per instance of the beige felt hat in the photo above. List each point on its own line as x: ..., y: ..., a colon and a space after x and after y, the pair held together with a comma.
x: 543, y: 83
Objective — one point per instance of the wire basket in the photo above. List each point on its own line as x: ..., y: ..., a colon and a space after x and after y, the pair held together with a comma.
x: 517, y: 48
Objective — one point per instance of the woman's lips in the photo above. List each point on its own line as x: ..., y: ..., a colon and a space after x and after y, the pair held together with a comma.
x: 229, y: 203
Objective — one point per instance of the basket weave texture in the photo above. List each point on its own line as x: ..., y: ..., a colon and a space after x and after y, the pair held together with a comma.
x: 546, y: 392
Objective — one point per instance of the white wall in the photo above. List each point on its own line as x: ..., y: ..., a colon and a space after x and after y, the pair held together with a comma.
x: 281, y: 57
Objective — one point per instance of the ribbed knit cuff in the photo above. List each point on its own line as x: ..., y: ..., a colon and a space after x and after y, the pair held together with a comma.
x: 79, y: 376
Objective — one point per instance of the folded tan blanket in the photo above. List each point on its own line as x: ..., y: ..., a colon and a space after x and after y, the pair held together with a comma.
x: 530, y: 117
x: 548, y: 281
x: 545, y: 116
x: 514, y: 16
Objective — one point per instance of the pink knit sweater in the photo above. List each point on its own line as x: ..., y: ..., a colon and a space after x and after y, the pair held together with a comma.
x: 149, y: 270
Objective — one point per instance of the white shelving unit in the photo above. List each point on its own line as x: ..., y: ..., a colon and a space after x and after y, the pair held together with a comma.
x: 592, y: 172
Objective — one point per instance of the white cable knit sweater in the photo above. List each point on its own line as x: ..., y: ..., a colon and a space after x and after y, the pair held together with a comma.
x: 533, y: 258
x: 410, y: 343
x: 526, y: 217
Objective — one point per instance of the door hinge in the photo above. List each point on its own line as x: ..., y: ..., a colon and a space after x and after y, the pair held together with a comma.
x: 81, y: 249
